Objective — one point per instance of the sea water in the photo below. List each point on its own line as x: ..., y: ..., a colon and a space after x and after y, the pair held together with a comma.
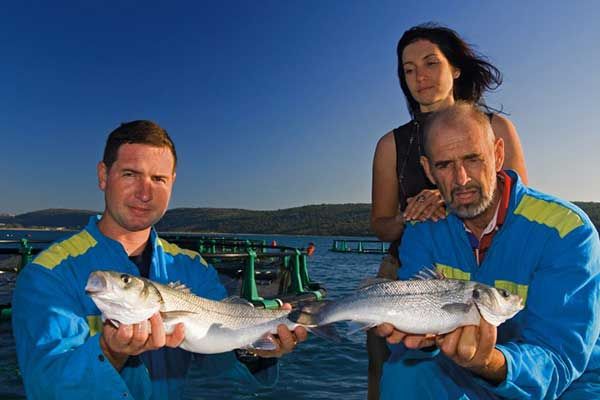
x: 317, y: 369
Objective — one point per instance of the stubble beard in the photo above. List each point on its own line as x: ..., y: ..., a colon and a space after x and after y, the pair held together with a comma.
x: 471, y: 211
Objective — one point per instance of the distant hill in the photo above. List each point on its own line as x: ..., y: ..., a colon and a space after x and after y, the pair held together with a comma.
x: 54, y: 218
x: 592, y: 209
x: 324, y: 219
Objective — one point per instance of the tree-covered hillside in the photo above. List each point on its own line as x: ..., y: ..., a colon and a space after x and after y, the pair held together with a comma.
x: 324, y: 219
x: 336, y: 219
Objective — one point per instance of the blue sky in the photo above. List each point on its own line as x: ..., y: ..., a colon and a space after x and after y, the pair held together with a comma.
x: 273, y: 104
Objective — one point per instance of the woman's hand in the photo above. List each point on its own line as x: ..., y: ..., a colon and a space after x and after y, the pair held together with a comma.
x: 428, y: 204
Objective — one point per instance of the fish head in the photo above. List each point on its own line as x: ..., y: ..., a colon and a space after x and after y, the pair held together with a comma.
x: 496, y: 305
x: 125, y: 298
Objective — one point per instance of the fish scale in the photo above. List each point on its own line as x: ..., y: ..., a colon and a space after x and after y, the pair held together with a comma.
x: 229, y: 315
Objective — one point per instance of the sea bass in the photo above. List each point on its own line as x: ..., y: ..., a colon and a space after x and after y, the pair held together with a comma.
x: 210, y: 326
x: 430, y: 306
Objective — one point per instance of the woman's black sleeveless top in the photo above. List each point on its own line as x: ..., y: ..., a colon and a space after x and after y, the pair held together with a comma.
x: 409, y: 148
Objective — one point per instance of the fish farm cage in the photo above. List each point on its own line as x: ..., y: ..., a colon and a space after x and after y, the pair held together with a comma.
x: 265, y: 274
x: 359, y: 246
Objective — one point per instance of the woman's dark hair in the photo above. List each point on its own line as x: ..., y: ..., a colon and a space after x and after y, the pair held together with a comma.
x: 476, y: 74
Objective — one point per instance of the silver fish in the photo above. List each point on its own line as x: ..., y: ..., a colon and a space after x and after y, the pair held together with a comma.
x: 430, y: 306
x: 210, y: 326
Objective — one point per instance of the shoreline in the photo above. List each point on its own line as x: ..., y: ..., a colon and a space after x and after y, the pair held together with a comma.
x: 38, y: 229
x: 66, y: 230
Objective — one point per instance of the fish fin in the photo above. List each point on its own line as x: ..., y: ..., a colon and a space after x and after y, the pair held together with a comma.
x: 264, y: 343
x: 457, y: 307
x: 237, y: 300
x: 313, y: 307
x: 368, y: 282
x: 428, y: 273
x: 327, y: 332
x: 354, y: 327
x: 177, y: 285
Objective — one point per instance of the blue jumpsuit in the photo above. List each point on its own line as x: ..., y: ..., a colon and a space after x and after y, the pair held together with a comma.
x: 57, y: 326
x: 548, y: 252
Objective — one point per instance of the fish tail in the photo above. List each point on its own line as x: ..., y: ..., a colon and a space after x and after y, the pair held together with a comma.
x: 310, y: 313
x: 327, y: 332
x: 310, y: 316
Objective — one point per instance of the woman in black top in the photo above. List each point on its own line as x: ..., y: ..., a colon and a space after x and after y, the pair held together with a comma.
x: 435, y: 68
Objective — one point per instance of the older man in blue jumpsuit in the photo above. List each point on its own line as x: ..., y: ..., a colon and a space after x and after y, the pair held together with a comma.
x: 64, y: 350
x: 501, y: 233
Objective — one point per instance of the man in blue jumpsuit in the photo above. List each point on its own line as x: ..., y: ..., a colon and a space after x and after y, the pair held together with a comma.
x: 504, y: 234
x: 64, y: 350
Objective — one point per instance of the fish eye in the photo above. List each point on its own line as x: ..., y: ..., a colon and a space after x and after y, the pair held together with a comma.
x: 125, y: 278
x: 476, y: 293
x: 504, y: 293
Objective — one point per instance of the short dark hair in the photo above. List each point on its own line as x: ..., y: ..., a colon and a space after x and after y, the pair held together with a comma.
x: 137, y: 132
x: 476, y: 74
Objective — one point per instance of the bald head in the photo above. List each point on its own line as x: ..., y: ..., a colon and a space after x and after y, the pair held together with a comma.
x: 457, y: 117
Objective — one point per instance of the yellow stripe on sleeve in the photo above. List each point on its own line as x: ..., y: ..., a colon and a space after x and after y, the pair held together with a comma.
x: 551, y: 214
x: 452, y: 273
x: 74, y: 246
x: 95, y: 324
x: 175, y: 250
x: 514, y: 288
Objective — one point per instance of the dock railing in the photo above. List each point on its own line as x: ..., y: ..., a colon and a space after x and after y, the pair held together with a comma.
x: 359, y: 246
x: 241, y: 259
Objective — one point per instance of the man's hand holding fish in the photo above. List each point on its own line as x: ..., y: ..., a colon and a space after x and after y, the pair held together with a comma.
x: 285, y: 341
x: 411, y: 341
x: 474, y: 347
x: 118, y: 344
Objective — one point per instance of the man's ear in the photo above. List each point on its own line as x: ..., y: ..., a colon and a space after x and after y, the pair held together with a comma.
x: 499, y: 153
x: 102, y: 172
x: 425, y: 164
